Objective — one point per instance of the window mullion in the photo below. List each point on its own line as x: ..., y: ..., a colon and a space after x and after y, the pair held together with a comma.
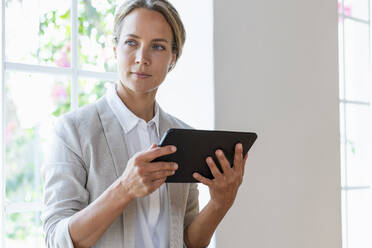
x: 355, y: 19
x: 23, y: 207
x: 10, y: 66
x: 111, y: 76
x: 74, y: 55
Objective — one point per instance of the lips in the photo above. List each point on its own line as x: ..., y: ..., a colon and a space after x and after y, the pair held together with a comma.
x: 140, y: 75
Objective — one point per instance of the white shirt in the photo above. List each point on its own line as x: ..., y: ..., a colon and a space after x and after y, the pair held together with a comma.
x: 152, y: 218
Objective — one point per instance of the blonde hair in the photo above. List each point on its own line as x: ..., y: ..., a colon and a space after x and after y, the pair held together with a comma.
x: 163, y: 7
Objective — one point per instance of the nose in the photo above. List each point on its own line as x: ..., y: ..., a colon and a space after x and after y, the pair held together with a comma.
x: 142, y: 57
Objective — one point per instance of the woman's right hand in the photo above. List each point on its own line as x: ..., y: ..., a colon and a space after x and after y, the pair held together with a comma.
x: 141, y: 177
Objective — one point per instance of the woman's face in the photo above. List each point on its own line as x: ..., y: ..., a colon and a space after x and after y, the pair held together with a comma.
x: 144, y: 50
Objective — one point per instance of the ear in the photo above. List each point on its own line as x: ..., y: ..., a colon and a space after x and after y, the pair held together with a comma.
x: 174, y: 57
x: 173, y: 61
x: 114, y: 49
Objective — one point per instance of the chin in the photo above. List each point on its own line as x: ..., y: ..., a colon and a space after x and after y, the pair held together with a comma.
x: 140, y: 86
x: 143, y: 89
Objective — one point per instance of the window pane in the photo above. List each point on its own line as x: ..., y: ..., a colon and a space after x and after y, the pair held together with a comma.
x: 38, y: 32
x: 356, y: 8
x: 342, y: 144
x: 344, y: 223
x: 341, y: 58
x: 358, y: 145
x: 357, y: 60
x: 360, y: 218
x: 32, y: 103
x: 91, y: 90
x: 96, y: 19
x: 23, y: 230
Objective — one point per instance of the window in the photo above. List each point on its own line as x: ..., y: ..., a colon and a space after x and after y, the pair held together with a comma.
x: 355, y: 120
x: 57, y: 56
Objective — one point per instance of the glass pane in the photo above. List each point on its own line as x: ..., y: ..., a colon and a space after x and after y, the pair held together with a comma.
x: 344, y: 217
x: 96, y: 20
x: 356, y: 60
x: 33, y: 101
x: 356, y: 8
x: 24, y: 230
x: 341, y: 59
x: 342, y: 144
x: 91, y: 90
x: 360, y: 218
x: 358, y: 145
x: 38, y: 32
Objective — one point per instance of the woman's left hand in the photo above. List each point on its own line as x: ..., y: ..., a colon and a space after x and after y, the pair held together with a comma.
x: 224, y: 187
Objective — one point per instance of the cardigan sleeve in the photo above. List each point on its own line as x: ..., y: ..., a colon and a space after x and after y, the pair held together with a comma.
x: 64, y: 176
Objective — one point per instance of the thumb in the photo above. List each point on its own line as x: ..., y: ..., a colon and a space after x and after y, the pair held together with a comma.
x: 153, y: 146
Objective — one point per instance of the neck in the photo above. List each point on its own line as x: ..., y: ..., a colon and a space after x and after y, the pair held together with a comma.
x: 141, y: 104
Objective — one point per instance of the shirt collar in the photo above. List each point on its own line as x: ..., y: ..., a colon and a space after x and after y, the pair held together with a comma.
x: 127, y: 118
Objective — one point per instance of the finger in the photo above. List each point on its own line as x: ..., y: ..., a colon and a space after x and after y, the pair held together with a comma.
x: 226, y: 168
x: 159, y: 166
x: 244, y: 162
x: 245, y: 157
x: 157, y: 152
x: 202, y: 179
x: 213, y: 167
x: 238, y: 157
x: 161, y: 175
x: 152, y: 146
x: 156, y: 184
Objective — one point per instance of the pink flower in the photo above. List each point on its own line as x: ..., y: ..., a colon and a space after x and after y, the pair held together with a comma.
x: 339, y: 8
x: 347, y: 11
x: 9, y: 131
x: 59, y: 93
x: 62, y: 61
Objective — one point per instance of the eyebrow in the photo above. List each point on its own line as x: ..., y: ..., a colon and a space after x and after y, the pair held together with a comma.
x: 156, y: 40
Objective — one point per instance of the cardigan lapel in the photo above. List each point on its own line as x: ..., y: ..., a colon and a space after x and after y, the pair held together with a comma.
x: 176, y: 194
x: 114, y: 135
x: 116, y: 142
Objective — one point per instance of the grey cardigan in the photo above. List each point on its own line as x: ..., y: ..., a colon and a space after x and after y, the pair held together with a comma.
x: 88, y: 154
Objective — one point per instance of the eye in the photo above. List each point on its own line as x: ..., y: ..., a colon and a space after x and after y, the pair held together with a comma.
x: 130, y: 42
x: 158, y: 47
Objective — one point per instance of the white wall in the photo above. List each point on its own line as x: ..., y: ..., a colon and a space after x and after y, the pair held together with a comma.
x: 188, y: 90
x: 276, y: 73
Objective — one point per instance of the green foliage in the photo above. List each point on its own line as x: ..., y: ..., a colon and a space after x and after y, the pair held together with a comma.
x: 22, y: 230
x: 97, y: 92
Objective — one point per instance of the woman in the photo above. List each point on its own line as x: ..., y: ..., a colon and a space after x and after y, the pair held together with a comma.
x: 101, y: 188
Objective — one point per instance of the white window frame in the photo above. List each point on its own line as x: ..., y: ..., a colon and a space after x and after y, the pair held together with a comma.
x: 345, y: 188
x: 2, y: 140
x: 73, y: 72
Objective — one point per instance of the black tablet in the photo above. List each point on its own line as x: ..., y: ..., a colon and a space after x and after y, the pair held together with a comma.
x: 194, y: 146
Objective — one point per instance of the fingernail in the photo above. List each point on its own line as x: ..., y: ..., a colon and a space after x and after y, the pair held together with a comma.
x: 240, y: 146
x: 175, y: 165
x: 173, y: 148
x: 219, y: 152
